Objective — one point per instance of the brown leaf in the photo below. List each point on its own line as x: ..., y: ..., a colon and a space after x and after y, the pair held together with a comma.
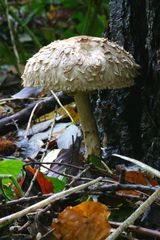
x: 86, y: 221
x: 7, y: 147
x: 137, y: 178
x: 140, y: 178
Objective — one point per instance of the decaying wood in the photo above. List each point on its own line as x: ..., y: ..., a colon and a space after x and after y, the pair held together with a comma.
x: 9, y: 123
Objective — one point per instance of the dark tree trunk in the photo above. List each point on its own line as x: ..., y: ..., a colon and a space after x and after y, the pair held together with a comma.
x: 132, y: 116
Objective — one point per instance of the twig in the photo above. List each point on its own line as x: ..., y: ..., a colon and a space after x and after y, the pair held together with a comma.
x: 78, y: 176
x: 60, y: 173
x: 43, y: 155
x: 46, y: 202
x: 142, y: 165
x: 25, y: 226
x: 21, y: 117
x: 130, y: 220
x: 61, y: 163
x: 49, y: 138
x: 30, y: 119
x: 140, y: 230
x: 23, y: 200
x: 107, y: 169
x: 100, y: 189
x: 49, y: 232
x: 120, y: 186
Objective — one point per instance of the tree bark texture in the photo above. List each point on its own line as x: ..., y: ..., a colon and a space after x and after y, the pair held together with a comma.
x: 132, y: 116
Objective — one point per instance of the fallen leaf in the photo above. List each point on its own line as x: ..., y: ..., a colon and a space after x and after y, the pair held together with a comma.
x: 86, y: 221
x: 28, y: 92
x: 7, y: 147
x: 42, y: 183
x: 30, y: 147
x: 137, y: 178
x: 69, y: 136
x: 49, y: 158
x: 67, y: 158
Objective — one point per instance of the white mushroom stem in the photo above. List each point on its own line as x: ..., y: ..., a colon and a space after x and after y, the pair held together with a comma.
x: 89, y: 127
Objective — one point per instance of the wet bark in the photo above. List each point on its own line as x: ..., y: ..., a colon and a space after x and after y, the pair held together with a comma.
x: 132, y: 116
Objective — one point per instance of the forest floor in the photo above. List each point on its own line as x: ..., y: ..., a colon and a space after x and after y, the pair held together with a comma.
x: 42, y: 162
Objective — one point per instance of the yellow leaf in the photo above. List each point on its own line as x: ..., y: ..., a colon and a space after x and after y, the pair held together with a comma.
x: 72, y: 112
x: 86, y: 221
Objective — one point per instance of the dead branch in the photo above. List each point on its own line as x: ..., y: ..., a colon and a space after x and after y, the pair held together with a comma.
x: 120, y: 186
x: 47, y: 201
x: 130, y: 220
x: 8, y: 123
x: 139, y: 230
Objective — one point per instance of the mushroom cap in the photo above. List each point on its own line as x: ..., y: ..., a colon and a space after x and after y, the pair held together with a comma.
x: 81, y: 63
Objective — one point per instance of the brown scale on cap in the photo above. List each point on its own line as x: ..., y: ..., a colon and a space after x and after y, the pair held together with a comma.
x: 79, y: 65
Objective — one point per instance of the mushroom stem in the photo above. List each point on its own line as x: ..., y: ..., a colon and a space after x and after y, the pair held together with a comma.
x: 89, y: 127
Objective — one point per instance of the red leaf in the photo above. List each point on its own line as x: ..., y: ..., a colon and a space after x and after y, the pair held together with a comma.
x: 45, y: 183
x: 42, y: 183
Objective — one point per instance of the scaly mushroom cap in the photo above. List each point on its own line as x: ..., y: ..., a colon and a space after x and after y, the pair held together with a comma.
x: 80, y: 63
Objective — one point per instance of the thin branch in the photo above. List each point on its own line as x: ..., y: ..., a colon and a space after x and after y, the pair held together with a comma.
x: 49, y: 232
x: 139, y: 230
x: 120, y: 186
x: 30, y: 119
x: 78, y: 176
x: 46, y: 202
x: 23, y: 200
x: 43, y: 155
x: 21, y: 117
x: 130, y: 220
x: 60, y: 163
x: 25, y: 226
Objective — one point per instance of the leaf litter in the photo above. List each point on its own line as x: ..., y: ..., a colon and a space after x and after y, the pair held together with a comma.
x: 56, y: 153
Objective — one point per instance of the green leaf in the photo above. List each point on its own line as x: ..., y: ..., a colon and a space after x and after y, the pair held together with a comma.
x: 70, y: 4
x: 58, y: 184
x: 96, y: 161
x: 8, y: 191
x: 12, y: 167
x: 68, y: 33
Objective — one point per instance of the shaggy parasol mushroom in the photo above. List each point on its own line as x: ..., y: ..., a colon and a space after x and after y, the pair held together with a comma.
x: 77, y: 66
